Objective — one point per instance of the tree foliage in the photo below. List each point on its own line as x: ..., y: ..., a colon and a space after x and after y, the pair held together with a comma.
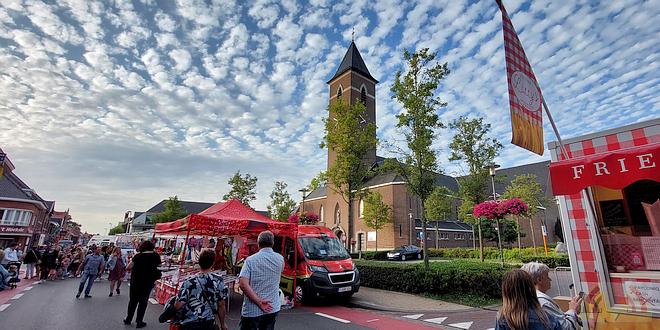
x: 243, y: 188
x: 281, y: 204
x: 415, y: 89
x: 119, y: 229
x: 320, y: 180
x: 350, y: 138
x: 529, y: 190
x: 509, y: 230
x: 173, y: 211
x: 471, y: 143
x: 439, y: 204
x: 376, y: 213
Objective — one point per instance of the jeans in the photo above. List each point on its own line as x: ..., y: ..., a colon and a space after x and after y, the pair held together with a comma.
x: 138, y: 298
x: 263, y: 322
x: 90, y: 281
x: 29, y: 271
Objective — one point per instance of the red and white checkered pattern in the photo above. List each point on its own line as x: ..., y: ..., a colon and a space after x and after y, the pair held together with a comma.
x: 516, y: 60
x: 576, y: 207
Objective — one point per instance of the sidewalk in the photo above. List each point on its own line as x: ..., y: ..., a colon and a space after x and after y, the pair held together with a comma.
x: 7, y: 294
x: 392, y: 301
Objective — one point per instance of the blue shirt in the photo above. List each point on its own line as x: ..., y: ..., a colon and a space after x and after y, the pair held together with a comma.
x: 93, y: 264
x: 533, y: 322
x: 263, y: 270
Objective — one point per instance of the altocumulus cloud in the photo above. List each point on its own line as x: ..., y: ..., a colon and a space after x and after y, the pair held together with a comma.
x: 112, y: 106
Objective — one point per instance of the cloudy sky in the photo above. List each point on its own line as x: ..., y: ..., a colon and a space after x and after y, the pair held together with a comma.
x: 114, y: 105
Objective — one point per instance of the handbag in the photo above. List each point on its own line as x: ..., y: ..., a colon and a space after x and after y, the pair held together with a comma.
x: 170, y: 313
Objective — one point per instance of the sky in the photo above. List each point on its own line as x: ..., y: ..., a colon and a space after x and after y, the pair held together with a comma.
x: 110, y: 106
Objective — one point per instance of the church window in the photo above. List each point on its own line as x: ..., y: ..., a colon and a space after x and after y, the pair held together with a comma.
x: 361, y: 209
x: 339, y: 91
x: 321, y: 216
x: 337, y: 214
x: 363, y: 95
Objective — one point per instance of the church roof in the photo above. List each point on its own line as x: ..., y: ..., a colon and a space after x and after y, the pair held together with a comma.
x: 353, y: 61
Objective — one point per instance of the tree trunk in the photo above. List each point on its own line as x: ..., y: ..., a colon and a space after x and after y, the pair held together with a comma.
x: 481, y: 243
x: 518, y: 229
x: 349, y: 239
x: 424, y: 240
x: 531, y: 231
x: 376, y: 240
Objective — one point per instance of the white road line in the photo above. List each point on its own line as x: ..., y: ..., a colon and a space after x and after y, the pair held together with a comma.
x: 153, y: 301
x: 462, y: 325
x: 414, y: 316
x: 28, y: 288
x: 437, y: 320
x: 333, y: 318
x: 17, y: 296
x: 3, y: 307
x: 374, y: 320
x: 490, y: 329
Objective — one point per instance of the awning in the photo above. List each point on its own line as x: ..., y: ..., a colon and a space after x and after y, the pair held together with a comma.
x: 614, y: 170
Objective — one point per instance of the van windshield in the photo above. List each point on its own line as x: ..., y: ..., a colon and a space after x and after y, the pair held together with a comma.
x: 323, y: 248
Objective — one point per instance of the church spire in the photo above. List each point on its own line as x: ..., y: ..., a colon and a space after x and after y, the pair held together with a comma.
x: 353, y: 61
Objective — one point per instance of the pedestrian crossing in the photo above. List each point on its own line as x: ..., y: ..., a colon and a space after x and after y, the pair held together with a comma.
x: 456, y: 320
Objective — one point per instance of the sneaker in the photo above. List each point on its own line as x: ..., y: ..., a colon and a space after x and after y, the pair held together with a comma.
x: 78, y: 296
x: 140, y: 325
x: 127, y: 322
x: 117, y: 290
x: 87, y: 296
x: 110, y: 295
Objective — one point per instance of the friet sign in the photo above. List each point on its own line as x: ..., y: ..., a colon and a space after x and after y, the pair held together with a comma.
x: 614, y: 170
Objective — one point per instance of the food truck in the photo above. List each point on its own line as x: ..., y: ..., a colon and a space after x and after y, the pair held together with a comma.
x: 608, y: 190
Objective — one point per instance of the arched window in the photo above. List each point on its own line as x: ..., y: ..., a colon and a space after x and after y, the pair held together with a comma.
x: 361, y: 209
x: 321, y: 216
x: 363, y: 95
x: 337, y: 214
x: 340, y: 91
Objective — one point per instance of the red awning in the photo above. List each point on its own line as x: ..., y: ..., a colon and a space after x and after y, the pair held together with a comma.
x: 614, y: 170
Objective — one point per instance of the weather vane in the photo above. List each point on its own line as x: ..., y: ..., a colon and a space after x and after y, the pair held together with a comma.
x: 353, y: 35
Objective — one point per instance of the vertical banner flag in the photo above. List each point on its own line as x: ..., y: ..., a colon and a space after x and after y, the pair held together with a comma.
x: 525, y: 99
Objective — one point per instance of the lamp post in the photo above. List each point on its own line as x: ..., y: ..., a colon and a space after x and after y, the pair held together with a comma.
x: 544, y: 231
x: 303, y: 191
x: 492, y: 168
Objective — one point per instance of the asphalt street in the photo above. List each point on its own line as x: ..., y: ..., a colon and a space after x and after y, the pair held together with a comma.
x: 52, y: 305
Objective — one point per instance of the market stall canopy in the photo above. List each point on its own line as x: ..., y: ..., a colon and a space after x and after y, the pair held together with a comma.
x: 225, y: 218
x: 614, y: 170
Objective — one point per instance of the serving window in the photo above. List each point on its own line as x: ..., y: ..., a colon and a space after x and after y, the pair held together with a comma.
x: 628, y: 222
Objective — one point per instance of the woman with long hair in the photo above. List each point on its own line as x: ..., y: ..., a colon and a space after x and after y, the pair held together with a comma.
x: 520, y: 306
x: 144, y: 272
x: 117, y: 266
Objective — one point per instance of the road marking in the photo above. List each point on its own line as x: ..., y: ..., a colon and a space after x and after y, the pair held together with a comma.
x: 490, y: 329
x: 28, y: 288
x: 153, y: 301
x: 374, y: 320
x: 333, y: 318
x: 3, y: 307
x: 17, y: 296
x: 462, y: 325
x: 437, y: 320
x: 414, y: 316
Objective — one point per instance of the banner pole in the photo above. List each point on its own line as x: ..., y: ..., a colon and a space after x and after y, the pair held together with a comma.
x: 554, y: 128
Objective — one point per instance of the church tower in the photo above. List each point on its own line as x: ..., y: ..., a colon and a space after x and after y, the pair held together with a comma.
x: 353, y: 83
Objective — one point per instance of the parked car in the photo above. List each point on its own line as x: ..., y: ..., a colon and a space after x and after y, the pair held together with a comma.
x: 405, y: 252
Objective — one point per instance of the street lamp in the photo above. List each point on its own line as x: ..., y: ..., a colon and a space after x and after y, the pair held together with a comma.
x: 492, y: 168
x: 544, y: 230
x: 303, y: 191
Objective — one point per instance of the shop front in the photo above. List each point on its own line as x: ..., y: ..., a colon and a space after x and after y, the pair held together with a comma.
x: 609, y: 194
x: 15, y: 226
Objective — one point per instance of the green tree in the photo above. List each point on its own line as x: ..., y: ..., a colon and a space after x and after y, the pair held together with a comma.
x: 376, y: 213
x: 243, y: 188
x: 472, y: 146
x: 281, y: 203
x: 319, y: 180
x: 529, y: 190
x: 351, y: 139
x: 415, y: 89
x: 173, y: 211
x: 438, y: 205
x: 509, y: 230
x: 119, y: 229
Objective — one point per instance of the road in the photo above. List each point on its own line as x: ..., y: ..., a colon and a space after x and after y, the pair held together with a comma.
x: 52, y: 305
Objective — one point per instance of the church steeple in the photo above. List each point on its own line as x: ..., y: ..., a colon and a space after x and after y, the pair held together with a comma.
x: 353, y: 61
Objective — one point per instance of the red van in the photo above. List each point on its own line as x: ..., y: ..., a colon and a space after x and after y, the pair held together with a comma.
x: 324, y: 266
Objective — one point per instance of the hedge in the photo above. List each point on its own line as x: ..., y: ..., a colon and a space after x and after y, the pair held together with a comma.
x: 458, y: 276
x: 551, y: 261
x: 465, y: 253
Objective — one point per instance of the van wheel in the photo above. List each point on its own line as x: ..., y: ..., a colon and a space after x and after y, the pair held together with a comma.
x: 300, y: 295
x: 419, y: 256
x: 403, y: 257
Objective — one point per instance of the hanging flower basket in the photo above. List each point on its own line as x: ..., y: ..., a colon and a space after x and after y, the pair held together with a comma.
x: 499, y: 209
x: 307, y: 218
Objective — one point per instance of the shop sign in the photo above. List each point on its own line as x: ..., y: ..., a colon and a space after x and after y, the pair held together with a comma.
x: 642, y: 296
x: 13, y: 230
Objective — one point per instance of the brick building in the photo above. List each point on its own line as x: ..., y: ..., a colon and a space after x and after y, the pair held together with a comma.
x: 353, y: 83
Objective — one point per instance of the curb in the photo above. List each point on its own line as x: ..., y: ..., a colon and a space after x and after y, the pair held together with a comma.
x: 376, y: 307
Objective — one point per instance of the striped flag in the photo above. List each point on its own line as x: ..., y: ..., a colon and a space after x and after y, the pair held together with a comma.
x: 525, y: 99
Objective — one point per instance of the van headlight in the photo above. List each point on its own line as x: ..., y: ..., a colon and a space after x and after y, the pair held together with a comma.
x: 319, y: 269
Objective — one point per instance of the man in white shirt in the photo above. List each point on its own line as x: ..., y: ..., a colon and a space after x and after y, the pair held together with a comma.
x: 541, y: 275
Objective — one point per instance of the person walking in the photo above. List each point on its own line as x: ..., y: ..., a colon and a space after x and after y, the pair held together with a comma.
x: 144, y: 272
x: 53, y: 262
x: 117, y: 269
x: 540, y: 274
x: 203, y: 297
x: 520, y: 307
x: 31, y: 259
x: 260, y: 281
x: 92, y: 268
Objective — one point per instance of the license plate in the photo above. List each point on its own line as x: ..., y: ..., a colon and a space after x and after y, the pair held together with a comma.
x: 344, y: 289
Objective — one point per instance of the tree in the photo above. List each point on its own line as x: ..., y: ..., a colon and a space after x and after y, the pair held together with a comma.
x: 529, y: 190
x: 281, y: 203
x: 438, y: 205
x: 173, y: 211
x: 243, y: 188
x: 351, y: 138
x: 119, y: 229
x: 415, y: 90
x: 509, y: 230
x: 376, y: 213
x: 319, y: 180
x: 472, y: 146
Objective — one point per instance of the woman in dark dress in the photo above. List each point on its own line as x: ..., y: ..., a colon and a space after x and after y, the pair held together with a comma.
x: 117, y: 269
x: 144, y: 272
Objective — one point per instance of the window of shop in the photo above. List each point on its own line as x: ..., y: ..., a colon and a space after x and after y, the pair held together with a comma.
x: 628, y: 222
x: 14, y: 217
